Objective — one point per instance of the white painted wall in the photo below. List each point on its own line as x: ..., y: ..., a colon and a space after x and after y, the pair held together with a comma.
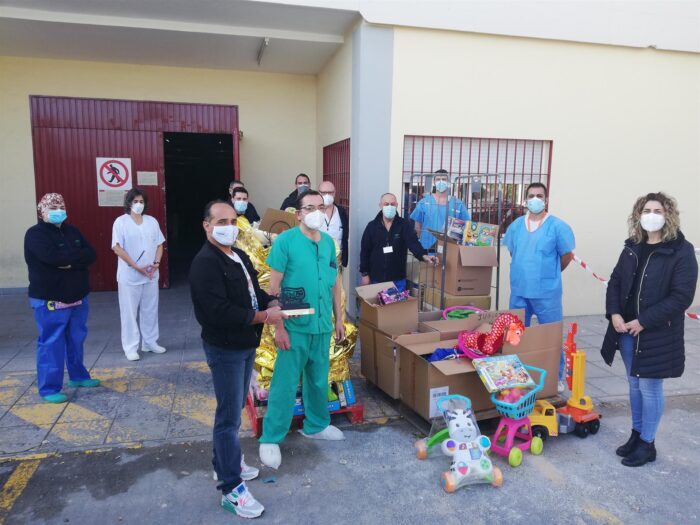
x: 277, y: 116
x: 624, y: 122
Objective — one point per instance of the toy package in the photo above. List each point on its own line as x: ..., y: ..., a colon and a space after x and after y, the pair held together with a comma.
x: 479, y: 234
x: 455, y: 229
x: 463, y: 442
x: 392, y: 295
x: 502, y: 372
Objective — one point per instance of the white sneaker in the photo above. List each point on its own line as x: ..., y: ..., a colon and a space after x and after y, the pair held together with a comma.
x: 242, y: 503
x: 155, y: 348
x: 247, y: 472
x: 561, y: 387
x: 132, y: 356
x: 270, y: 455
x: 330, y: 433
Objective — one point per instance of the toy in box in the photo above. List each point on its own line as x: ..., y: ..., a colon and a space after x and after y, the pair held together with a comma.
x: 503, y: 372
x: 479, y: 234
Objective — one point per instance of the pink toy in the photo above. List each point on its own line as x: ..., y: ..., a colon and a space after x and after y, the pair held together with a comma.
x: 512, y: 395
x: 392, y: 295
x: 506, y: 327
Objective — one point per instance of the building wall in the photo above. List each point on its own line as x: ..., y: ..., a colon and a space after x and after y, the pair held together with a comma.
x: 624, y: 122
x: 277, y: 117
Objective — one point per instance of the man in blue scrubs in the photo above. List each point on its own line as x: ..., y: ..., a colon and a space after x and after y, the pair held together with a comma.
x: 541, y: 246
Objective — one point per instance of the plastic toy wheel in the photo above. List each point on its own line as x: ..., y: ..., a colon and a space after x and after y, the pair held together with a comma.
x: 448, y: 482
x: 581, y: 430
x: 515, y: 457
x: 536, y: 446
x: 540, y: 432
x: 421, y: 449
x: 594, y: 426
x: 497, y: 480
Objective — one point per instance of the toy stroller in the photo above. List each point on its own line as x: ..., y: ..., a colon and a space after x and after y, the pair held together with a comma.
x: 463, y: 441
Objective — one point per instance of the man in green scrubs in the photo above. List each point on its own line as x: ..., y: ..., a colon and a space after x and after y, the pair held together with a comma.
x: 303, y: 267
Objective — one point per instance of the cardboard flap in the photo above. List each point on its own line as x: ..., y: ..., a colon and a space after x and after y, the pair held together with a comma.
x: 478, y: 256
x: 369, y: 292
x: 538, y: 337
x: 277, y: 221
x: 450, y: 367
x: 429, y: 347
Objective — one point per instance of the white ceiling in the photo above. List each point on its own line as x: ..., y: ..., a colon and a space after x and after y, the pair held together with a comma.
x: 191, y: 33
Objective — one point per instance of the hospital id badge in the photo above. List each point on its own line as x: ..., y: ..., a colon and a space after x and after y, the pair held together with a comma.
x: 388, y: 249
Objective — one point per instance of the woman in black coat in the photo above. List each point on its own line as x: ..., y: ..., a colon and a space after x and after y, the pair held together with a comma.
x: 651, y: 287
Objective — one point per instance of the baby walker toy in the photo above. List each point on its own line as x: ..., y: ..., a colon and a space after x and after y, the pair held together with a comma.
x: 514, y: 433
x: 463, y: 441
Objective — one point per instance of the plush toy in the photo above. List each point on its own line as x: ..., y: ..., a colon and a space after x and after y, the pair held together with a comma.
x: 506, y: 327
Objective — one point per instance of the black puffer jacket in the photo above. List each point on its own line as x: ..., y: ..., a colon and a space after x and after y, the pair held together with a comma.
x: 665, y: 293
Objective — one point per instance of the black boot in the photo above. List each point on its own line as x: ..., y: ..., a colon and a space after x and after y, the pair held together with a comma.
x: 626, y: 449
x: 644, y: 453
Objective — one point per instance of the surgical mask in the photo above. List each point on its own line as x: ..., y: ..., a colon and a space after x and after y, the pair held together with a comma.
x: 652, y: 222
x: 328, y: 200
x: 302, y: 188
x: 225, y: 235
x: 137, y: 207
x: 240, y: 206
x: 535, y: 205
x: 57, y: 216
x: 441, y: 186
x: 389, y: 211
x: 314, y: 220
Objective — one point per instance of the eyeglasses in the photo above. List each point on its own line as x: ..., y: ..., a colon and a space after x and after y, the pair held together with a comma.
x: 311, y: 209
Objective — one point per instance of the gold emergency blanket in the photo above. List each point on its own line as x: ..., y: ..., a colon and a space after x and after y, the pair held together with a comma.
x: 340, y: 353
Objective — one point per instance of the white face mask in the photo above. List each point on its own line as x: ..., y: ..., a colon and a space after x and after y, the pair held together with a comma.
x: 314, y: 220
x: 328, y: 200
x: 652, y: 222
x: 137, y: 207
x: 225, y: 235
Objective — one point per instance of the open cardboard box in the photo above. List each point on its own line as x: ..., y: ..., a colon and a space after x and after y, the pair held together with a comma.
x: 432, y: 297
x: 277, y: 221
x: 396, y: 317
x: 468, y: 269
x: 421, y: 383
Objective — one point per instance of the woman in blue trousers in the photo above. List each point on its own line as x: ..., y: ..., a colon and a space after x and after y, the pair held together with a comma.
x: 58, y: 257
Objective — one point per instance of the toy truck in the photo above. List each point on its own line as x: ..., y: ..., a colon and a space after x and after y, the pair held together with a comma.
x: 578, y: 415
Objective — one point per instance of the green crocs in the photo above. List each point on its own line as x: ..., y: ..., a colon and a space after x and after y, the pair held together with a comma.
x: 86, y: 383
x: 55, y: 398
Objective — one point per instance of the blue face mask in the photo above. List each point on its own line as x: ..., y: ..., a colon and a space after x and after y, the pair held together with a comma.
x: 240, y: 206
x: 57, y: 216
x: 389, y: 212
x: 441, y: 186
x: 302, y: 188
x: 535, y: 205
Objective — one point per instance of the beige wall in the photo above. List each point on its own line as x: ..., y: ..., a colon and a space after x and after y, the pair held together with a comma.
x: 623, y: 121
x: 277, y: 116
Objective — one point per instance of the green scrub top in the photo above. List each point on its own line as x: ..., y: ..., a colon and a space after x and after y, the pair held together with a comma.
x: 310, y: 271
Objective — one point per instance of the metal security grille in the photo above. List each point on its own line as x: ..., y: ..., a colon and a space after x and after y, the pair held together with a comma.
x: 482, y: 172
x: 336, y: 169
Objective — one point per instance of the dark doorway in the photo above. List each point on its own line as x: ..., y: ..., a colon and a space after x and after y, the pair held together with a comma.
x: 198, y: 169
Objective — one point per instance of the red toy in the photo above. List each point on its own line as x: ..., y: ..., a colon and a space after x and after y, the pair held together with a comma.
x: 511, y: 396
x: 506, y: 327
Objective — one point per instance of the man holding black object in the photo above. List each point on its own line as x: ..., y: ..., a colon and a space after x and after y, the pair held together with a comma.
x: 385, y: 245
x: 231, y: 308
x: 303, y: 272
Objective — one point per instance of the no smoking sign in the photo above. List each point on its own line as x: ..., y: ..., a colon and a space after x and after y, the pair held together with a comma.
x: 113, y: 174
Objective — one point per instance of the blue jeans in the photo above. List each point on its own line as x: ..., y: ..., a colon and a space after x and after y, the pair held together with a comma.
x: 230, y: 373
x: 547, y: 310
x: 61, y: 337
x: 646, y: 394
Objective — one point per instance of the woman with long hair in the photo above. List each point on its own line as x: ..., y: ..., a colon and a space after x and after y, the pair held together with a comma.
x: 649, y: 291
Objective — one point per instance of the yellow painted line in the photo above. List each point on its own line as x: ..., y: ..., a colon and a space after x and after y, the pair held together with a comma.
x: 15, y: 485
x: 547, y: 469
x: 12, y: 380
x: 9, y: 396
x: 40, y: 414
x: 600, y: 514
x: 199, y: 366
x: 113, y: 378
x: 27, y: 457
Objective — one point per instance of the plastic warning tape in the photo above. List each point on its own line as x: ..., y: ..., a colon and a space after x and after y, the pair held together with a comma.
x: 604, y: 281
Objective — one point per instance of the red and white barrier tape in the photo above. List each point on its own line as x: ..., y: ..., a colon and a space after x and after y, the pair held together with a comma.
x: 604, y: 281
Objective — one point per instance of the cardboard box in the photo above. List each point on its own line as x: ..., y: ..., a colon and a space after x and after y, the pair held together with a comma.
x: 468, y: 269
x: 432, y: 297
x: 396, y: 317
x: 422, y: 383
x: 277, y: 221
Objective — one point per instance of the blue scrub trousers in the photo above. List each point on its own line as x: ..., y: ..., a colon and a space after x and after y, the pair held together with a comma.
x: 61, y: 337
x: 548, y: 310
x: 400, y: 285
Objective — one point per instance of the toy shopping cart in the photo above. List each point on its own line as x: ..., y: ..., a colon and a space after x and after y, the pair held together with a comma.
x: 514, y: 432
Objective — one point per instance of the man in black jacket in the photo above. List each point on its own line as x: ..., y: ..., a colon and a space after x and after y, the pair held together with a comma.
x: 231, y: 308
x: 336, y: 221
x: 239, y: 194
x: 385, y: 245
x: 302, y: 184
x: 58, y: 257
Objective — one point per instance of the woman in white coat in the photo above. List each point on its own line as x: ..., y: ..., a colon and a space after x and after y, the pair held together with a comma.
x: 138, y: 242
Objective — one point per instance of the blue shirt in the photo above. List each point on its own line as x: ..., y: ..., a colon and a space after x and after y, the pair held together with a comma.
x: 535, y: 271
x: 431, y: 216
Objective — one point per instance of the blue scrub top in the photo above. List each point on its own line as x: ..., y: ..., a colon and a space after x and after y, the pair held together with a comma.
x: 535, y: 271
x: 431, y: 216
